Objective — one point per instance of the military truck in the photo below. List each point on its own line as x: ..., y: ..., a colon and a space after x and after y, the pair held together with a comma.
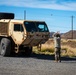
x: 21, y: 35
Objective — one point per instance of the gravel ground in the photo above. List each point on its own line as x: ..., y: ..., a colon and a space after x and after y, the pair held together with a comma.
x: 36, y: 65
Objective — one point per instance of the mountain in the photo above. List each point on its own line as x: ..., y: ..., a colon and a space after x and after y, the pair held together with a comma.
x: 69, y: 35
x: 51, y: 34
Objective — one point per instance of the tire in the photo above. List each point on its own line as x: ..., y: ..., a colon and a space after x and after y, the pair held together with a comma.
x: 0, y: 48
x: 6, y: 15
x: 5, y: 46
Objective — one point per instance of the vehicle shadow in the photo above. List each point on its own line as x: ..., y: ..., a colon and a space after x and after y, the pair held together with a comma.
x: 44, y: 57
x: 51, y: 57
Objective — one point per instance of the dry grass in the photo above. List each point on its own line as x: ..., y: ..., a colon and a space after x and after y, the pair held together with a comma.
x: 68, y: 48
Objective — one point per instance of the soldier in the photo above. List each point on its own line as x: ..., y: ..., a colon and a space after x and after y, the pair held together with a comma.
x: 57, y: 43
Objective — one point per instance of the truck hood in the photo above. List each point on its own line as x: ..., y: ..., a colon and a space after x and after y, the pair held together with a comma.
x: 36, y: 38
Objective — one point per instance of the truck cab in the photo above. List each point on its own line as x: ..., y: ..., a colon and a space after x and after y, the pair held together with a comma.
x: 29, y: 33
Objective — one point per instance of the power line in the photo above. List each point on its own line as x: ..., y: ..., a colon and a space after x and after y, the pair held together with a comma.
x: 60, y: 16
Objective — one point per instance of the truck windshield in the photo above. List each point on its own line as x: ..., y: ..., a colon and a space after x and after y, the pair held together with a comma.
x: 36, y: 26
x: 42, y: 27
x: 30, y: 26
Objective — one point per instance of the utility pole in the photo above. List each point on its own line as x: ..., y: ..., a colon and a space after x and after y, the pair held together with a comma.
x: 24, y: 14
x: 72, y: 25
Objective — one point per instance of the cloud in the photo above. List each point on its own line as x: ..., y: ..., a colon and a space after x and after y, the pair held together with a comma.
x: 49, y: 4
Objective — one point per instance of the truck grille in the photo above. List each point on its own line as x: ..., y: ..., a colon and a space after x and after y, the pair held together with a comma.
x: 3, y: 28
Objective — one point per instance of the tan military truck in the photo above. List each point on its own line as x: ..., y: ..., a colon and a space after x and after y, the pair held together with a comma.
x: 21, y: 35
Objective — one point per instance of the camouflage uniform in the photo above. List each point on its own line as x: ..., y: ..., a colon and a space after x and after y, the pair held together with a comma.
x: 57, y: 41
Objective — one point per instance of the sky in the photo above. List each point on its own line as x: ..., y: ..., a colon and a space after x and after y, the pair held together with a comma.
x: 56, y: 13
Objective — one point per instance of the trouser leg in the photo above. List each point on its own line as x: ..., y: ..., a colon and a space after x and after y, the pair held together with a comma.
x: 57, y: 55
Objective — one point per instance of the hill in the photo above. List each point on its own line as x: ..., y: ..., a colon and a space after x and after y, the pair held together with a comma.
x: 51, y: 34
x: 68, y: 35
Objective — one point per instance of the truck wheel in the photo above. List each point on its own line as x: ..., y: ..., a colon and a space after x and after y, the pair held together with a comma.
x: 5, y: 47
x: 0, y: 48
x: 28, y: 51
x: 6, y: 15
x: 0, y: 43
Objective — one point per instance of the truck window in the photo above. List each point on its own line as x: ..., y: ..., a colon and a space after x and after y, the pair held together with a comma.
x: 42, y: 27
x: 18, y: 27
x: 30, y: 26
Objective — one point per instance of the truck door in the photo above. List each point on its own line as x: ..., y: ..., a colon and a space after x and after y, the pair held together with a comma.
x: 18, y: 33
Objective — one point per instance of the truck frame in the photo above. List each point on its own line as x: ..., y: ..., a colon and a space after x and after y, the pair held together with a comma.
x: 21, y: 35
